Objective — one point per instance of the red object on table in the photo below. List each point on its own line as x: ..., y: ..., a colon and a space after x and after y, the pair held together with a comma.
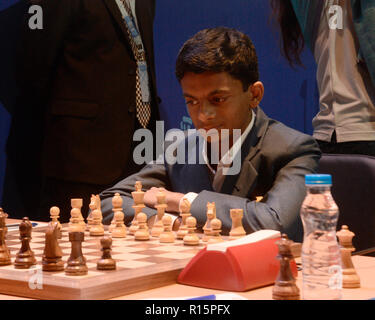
x: 239, y: 268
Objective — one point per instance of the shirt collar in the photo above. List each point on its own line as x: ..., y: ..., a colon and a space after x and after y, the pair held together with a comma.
x: 228, y: 157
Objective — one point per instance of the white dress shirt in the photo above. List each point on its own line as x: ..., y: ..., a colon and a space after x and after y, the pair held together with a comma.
x: 225, y: 161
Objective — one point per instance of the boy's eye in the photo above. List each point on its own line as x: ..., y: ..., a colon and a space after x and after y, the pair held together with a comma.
x: 218, y: 99
x: 191, y: 102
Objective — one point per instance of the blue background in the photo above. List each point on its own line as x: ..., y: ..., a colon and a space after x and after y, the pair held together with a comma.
x: 290, y: 94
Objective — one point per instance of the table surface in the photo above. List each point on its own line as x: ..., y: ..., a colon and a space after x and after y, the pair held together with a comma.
x: 364, y: 265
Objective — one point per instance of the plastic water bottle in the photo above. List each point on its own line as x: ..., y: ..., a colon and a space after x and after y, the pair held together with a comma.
x: 321, y: 259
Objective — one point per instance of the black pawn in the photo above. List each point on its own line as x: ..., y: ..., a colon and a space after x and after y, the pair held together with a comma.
x: 285, y: 286
x: 106, y: 262
x: 4, y: 251
x: 76, y: 264
x: 25, y: 257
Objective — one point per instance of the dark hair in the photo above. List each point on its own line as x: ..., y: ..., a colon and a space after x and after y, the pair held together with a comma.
x: 219, y: 49
x: 292, y: 43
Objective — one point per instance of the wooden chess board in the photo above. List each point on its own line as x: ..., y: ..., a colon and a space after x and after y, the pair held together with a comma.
x: 141, y: 265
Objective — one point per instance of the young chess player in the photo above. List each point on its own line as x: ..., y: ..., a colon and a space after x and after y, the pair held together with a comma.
x: 218, y: 72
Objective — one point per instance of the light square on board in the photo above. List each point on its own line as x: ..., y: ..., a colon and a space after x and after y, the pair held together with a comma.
x: 174, y: 255
x: 117, y: 250
x: 134, y: 264
x: 172, y: 248
x: 128, y: 256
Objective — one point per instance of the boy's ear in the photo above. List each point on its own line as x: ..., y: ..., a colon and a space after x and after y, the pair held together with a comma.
x: 257, y: 93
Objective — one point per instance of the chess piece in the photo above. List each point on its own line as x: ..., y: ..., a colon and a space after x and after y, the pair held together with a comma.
x: 138, y: 187
x: 116, y: 206
x: 167, y: 236
x: 77, y: 204
x: 75, y: 224
x: 191, y: 238
x: 25, y: 257
x: 142, y: 233
x: 106, y: 262
x: 350, y: 278
x: 96, y: 228
x: 51, y: 260
x: 138, y: 206
x: 134, y: 224
x: 184, y: 214
x: 211, y: 214
x: 4, y: 251
x: 285, y: 285
x: 237, y: 230
x: 92, y: 205
x: 215, y: 231
x: 157, y: 227
x: 119, y: 231
x: 54, y: 215
x: 76, y: 264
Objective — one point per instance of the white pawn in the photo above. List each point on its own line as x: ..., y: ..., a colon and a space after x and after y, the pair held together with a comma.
x: 191, y: 238
x: 96, y: 228
x: 184, y: 214
x: 167, y: 236
x: 75, y: 221
x: 161, y: 206
x: 116, y: 206
x: 215, y: 233
x: 77, y: 204
x: 350, y: 278
x: 92, y: 205
x: 54, y: 215
x: 119, y: 231
x: 142, y: 231
x: 138, y: 197
x: 211, y: 214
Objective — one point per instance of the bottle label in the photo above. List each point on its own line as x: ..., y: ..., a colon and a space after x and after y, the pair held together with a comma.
x: 335, y: 281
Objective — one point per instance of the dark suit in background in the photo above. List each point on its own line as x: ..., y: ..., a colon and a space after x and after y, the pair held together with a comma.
x: 72, y: 129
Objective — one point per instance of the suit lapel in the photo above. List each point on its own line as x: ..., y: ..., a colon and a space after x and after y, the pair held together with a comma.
x: 241, y: 184
x: 143, y: 9
x: 116, y: 14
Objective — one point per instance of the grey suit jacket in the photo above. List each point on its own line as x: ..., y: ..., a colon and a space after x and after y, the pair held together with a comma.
x: 274, y: 161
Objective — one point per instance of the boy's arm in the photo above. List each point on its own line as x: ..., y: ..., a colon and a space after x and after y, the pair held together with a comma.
x: 152, y: 175
x: 280, y: 207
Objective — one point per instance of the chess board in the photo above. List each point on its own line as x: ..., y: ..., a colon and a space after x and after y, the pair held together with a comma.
x: 141, y: 265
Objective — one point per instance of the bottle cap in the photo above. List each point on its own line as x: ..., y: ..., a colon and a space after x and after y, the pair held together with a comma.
x: 318, y: 179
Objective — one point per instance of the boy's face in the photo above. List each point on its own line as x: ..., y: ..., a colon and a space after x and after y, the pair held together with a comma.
x: 217, y: 101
